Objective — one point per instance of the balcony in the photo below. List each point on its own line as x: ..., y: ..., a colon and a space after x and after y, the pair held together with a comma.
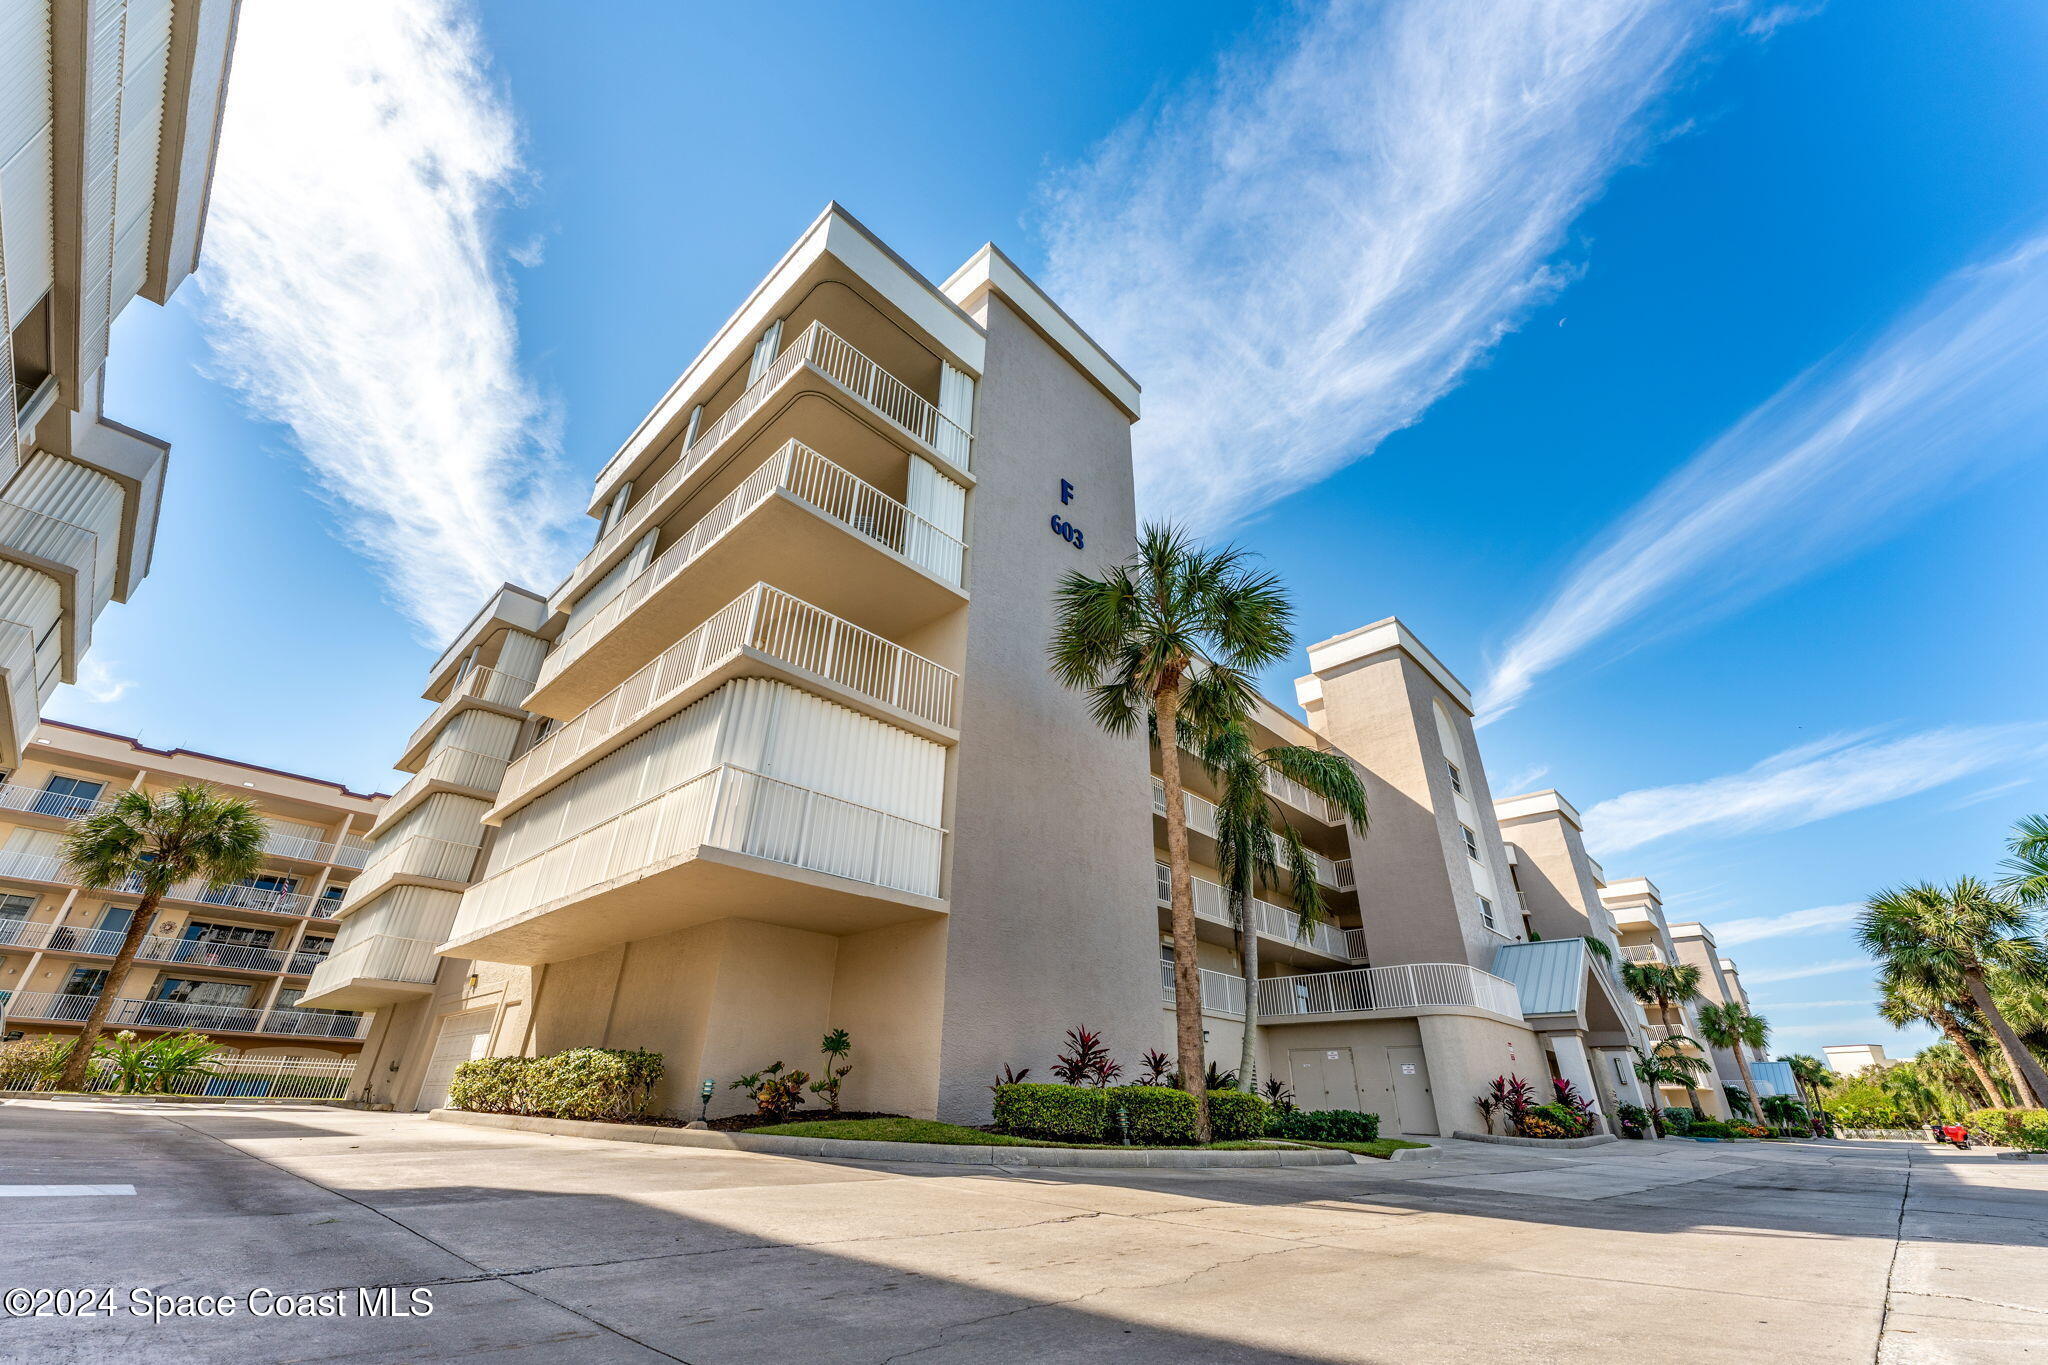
x: 36, y: 867
x: 763, y: 633
x: 416, y: 860
x: 486, y: 688
x: 817, y: 352
x: 350, y: 852
x: 175, y: 1014
x: 1201, y: 819
x: 465, y: 772
x: 15, y: 797
x: 726, y: 839
x: 1642, y: 952
x: 1404, y: 990
x: 377, y: 971
x: 1222, y: 992
x: 19, y: 692
x: 67, y: 553
x: 1275, y: 922
x: 886, y: 564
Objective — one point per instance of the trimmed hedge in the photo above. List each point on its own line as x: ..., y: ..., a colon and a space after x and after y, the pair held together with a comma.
x: 1062, y: 1113
x: 2026, y: 1129
x: 1235, y: 1115
x: 1323, y: 1125
x: 1713, y: 1128
x: 1157, y: 1115
x: 582, y: 1083
x: 1678, y: 1119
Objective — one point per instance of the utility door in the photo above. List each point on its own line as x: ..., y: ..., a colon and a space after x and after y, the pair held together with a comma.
x: 1323, y: 1078
x: 1414, y: 1107
x: 463, y: 1037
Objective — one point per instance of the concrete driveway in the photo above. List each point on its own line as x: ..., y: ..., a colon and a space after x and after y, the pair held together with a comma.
x: 543, y: 1248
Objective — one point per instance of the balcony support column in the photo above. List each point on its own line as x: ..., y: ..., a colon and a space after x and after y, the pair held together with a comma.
x: 1573, y: 1065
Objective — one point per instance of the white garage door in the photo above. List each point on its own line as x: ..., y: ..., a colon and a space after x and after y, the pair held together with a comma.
x: 462, y: 1038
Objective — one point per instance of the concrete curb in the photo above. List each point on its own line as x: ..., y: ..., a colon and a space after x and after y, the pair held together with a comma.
x: 935, y: 1153
x: 1412, y: 1154
x: 1567, y: 1144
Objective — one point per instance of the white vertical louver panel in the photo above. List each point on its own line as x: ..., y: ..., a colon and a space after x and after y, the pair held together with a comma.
x: 521, y: 654
x: 481, y: 732
x: 934, y: 540
x: 401, y: 912
x: 24, y: 73
x: 956, y: 405
x: 608, y: 587
x: 793, y: 736
x: 36, y: 843
x: 80, y: 496
x: 444, y: 815
x: 26, y: 222
x: 33, y: 599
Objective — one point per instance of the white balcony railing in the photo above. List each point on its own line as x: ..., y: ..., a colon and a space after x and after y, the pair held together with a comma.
x: 1401, y: 989
x: 855, y: 504
x: 1212, y: 903
x: 1347, y: 876
x: 35, y: 801
x: 725, y: 807
x: 1201, y: 819
x: 456, y: 767
x: 1354, y: 945
x: 380, y: 957
x: 418, y: 855
x: 1222, y: 993
x: 40, y: 536
x: 774, y: 623
x: 350, y: 852
x: 38, y: 867
x: 177, y: 1014
x: 823, y: 350
x: 1642, y: 952
x: 489, y: 685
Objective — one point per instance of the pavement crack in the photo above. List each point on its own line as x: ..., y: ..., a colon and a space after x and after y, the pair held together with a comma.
x: 1891, y: 1269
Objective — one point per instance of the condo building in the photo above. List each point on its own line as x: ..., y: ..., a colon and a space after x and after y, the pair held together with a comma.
x: 781, y: 754
x: 231, y: 962
x: 108, y: 118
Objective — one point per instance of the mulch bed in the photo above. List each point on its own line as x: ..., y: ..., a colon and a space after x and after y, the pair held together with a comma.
x: 739, y: 1123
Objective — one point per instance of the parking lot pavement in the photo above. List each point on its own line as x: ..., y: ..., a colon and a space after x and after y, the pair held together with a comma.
x: 572, y: 1249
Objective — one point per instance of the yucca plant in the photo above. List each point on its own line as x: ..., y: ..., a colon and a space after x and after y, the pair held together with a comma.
x: 150, y: 844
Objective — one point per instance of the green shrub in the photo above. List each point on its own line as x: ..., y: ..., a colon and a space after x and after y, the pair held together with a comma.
x: 1155, y: 1114
x: 490, y: 1085
x: 1563, y: 1116
x: 1635, y: 1120
x: 592, y: 1083
x: 1235, y: 1115
x: 1709, y: 1128
x: 1678, y: 1119
x: 1323, y: 1125
x: 31, y: 1063
x: 2026, y: 1129
x: 1063, y: 1113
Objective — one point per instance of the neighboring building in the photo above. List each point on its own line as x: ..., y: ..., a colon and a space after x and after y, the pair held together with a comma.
x: 231, y: 963
x: 1719, y: 985
x: 1637, y: 909
x: 107, y: 133
x: 1848, y: 1059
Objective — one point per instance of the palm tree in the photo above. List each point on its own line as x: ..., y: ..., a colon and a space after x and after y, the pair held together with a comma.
x: 1667, y: 1063
x: 2028, y: 864
x: 1732, y: 1026
x: 1250, y: 852
x: 1812, y: 1075
x: 1667, y: 987
x: 1955, y: 935
x: 150, y: 844
x: 1906, y: 998
x: 1174, y: 633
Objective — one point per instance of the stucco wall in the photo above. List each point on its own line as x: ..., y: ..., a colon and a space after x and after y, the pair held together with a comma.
x: 1052, y: 920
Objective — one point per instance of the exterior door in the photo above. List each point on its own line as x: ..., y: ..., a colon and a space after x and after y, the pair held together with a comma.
x: 463, y: 1037
x: 1414, y: 1108
x: 1323, y: 1078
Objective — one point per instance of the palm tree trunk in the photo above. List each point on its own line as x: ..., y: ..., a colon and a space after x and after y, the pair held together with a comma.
x: 2030, y: 1084
x: 1756, y: 1104
x: 1947, y: 1022
x: 1248, y: 1055
x: 1187, y: 981
x: 96, y: 1021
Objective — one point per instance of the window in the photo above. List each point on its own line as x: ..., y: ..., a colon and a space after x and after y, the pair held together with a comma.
x: 201, y: 931
x: 13, y: 916
x: 229, y: 993
x: 68, y: 797
x: 85, y: 981
x: 1471, y: 840
x: 1486, y: 914
x: 1457, y: 778
x: 320, y: 946
x: 333, y: 894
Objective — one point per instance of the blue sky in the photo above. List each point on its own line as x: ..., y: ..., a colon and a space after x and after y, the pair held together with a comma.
x: 1567, y: 274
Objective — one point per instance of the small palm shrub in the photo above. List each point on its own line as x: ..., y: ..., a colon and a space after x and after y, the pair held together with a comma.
x: 1155, y: 1068
x: 1278, y: 1093
x: 837, y: 1047
x: 1086, y: 1060
x: 1235, y: 1115
x: 776, y: 1093
x: 1323, y: 1125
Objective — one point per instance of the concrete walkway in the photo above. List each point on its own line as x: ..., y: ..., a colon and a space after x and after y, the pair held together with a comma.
x: 550, y: 1248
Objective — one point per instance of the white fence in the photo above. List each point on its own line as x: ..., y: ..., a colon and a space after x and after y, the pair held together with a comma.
x: 233, y: 1077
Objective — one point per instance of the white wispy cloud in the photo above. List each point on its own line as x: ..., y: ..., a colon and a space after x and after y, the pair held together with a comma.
x: 1844, y: 455
x: 1811, y: 1004
x: 1763, y: 976
x: 1525, y: 780
x: 355, y: 292
x: 1297, y: 256
x: 1812, y: 782
x: 1729, y: 932
x: 100, y: 684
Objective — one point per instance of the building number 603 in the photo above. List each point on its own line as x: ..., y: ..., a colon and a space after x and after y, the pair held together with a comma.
x: 1067, y: 531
